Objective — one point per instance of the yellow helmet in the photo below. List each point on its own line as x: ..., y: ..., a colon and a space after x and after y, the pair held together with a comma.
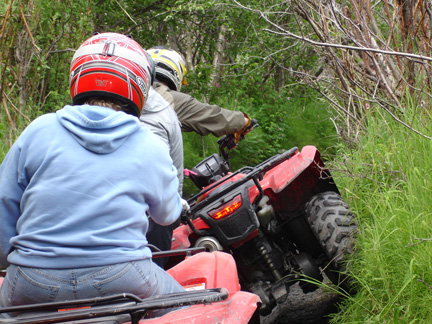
x: 169, y: 65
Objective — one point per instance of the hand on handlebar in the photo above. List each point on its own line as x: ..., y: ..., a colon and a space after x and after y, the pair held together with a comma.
x: 185, y: 205
x: 248, y: 128
x: 229, y: 142
x: 185, y: 209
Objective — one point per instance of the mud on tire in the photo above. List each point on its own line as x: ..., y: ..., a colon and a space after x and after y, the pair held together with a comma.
x: 334, y: 226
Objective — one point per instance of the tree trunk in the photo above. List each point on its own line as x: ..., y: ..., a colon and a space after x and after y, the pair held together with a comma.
x: 219, y: 57
x: 406, y: 16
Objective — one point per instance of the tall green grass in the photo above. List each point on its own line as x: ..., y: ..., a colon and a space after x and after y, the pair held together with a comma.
x: 387, y: 180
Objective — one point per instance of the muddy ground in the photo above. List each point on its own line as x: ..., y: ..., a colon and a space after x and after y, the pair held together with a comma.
x: 301, y: 308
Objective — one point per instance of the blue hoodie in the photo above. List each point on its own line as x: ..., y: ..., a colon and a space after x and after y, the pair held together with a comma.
x: 76, y: 186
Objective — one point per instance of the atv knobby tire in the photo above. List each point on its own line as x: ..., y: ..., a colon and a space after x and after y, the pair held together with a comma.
x: 333, y: 225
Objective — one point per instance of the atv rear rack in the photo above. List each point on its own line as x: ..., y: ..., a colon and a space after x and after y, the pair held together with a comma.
x: 110, y: 308
x: 158, y: 253
x: 250, y: 173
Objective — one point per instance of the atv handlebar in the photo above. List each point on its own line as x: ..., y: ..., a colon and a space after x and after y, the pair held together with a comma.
x: 252, y: 125
x: 228, y: 142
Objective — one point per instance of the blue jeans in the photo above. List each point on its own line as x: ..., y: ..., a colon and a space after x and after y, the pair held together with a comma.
x: 23, y: 285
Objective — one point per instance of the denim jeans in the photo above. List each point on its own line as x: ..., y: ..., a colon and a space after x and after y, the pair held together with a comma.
x: 23, y: 285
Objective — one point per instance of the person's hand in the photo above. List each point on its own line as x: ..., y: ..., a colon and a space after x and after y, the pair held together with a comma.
x: 238, y: 135
x: 185, y: 205
x: 250, y: 124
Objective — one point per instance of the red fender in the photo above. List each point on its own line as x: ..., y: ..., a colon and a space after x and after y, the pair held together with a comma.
x: 238, y: 309
x: 211, y: 270
x: 207, y: 270
x: 183, y: 232
x: 215, y: 270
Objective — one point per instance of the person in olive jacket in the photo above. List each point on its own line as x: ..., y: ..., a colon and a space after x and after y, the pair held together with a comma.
x: 194, y: 115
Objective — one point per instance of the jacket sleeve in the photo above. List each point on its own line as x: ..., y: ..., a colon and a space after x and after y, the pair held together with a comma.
x: 205, y: 119
x: 163, y: 196
x: 166, y: 126
x: 11, y: 191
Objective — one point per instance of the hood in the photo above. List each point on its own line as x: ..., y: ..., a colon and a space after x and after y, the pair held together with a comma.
x: 155, y: 102
x: 98, y: 129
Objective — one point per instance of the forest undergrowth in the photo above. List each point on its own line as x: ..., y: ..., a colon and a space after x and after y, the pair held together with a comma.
x: 386, y: 179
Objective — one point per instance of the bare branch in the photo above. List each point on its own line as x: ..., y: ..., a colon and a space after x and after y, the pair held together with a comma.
x: 38, y: 50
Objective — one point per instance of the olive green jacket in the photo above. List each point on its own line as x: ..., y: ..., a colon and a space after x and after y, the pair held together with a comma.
x: 199, y: 117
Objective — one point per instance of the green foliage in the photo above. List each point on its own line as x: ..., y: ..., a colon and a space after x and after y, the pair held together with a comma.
x: 4, y: 148
x: 386, y: 181
x: 385, y: 176
x: 35, y: 76
x: 59, y: 27
x: 286, y: 118
x: 65, y: 26
x: 290, y: 117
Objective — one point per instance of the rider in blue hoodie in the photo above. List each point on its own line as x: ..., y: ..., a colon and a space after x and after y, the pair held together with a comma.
x: 77, y: 186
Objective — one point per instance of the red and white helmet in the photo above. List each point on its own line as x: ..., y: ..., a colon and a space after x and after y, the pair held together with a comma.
x: 113, y: 65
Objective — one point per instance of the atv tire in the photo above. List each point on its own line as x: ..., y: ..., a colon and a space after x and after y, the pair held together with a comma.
x: 334, y: 227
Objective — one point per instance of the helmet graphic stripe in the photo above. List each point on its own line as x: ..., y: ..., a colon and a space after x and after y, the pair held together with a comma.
x: 112, y: 65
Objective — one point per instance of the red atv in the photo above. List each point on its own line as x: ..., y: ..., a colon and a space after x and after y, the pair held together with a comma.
x: 283, y: 220
x: 212, y: 292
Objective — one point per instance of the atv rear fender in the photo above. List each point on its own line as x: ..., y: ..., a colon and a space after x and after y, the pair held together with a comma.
x: 290, y: 179
x: 293, y: 182
x: 207, y: 270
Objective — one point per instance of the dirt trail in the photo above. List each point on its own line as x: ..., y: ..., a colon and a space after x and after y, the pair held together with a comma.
x: 301, y: 308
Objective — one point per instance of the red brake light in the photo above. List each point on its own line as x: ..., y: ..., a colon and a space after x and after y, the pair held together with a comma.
x: 226, y: 209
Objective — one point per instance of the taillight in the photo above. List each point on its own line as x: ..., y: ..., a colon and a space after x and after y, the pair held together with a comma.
x: 226, y: 209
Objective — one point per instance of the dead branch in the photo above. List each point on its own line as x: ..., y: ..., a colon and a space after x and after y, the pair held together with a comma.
x: 422, y: 280
x: 38, y: 50
x: 422, y: 240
